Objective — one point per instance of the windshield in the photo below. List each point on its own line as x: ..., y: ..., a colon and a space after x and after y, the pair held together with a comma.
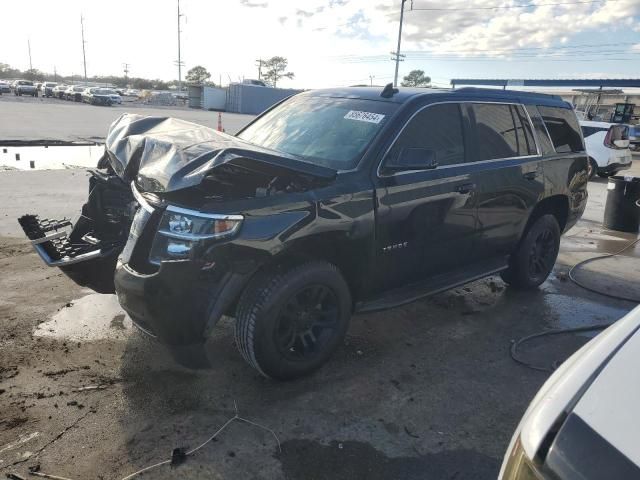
x: 106, y: 91
x: 24, y: 82
x: 333, y: 132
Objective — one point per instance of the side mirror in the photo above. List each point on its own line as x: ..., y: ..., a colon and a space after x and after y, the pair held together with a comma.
x: 621, y: 143
x: 413, y: 159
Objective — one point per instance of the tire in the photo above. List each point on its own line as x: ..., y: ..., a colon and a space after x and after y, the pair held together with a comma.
x: 277, y: 321
x: 593, y: 168
x: 533, y: 260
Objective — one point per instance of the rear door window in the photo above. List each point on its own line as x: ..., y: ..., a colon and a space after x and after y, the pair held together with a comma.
x: 563, y: 128
x: 502, y: 131
x: 437, y: 128
x: 542, y: 136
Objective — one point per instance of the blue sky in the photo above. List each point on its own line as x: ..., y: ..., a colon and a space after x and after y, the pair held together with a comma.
x: 331, y: 42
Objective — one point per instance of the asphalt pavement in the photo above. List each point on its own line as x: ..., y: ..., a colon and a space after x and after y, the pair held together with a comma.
x: 28, y: 118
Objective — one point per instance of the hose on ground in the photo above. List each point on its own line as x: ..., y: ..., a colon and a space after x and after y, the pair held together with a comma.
x: 601, y: 257
x: 601, y: 326
x: 558, y: 331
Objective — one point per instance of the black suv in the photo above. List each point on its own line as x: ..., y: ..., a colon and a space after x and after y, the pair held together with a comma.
x: 331, y: 203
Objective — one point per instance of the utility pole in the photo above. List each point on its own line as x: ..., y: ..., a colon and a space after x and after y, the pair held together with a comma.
x: 55, y: 74
x: 29, y: 46
x: 84, y: 56
x: 396, y: 54
x: 371, y: 77
x: 259, y: 63
x: 126, y: 66
x: 179, y: 52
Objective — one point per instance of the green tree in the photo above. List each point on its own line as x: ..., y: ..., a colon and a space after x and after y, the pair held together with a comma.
x: 416, y: 78
x: 32, y: 74
x: 275, y: 69
x: 6, y: 71
x: 198, y: 75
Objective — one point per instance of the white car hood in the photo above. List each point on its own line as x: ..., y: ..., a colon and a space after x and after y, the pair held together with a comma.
x: 557, y: 394
x: 610, y: 405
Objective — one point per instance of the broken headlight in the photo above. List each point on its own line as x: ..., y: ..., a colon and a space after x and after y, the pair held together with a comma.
x: 180, y: 229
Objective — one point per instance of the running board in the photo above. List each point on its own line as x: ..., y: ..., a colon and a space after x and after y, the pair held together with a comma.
x: 50, y: 239
x: 439, y: 283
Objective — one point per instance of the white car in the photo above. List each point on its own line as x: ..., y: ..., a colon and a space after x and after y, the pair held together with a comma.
x: 608, y: 147
x: 584, y: 422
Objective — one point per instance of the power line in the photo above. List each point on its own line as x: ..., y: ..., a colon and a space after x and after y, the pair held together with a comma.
x: 489, y: 51
x: 508, y: 7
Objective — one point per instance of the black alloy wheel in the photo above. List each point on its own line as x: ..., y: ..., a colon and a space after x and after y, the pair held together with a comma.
x: 533, y: 260
x: 289, y: 320
x: 542, y: 255
x: 306, y: 322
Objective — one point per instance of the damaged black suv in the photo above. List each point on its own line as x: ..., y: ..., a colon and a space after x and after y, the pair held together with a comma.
x: 331, y: 203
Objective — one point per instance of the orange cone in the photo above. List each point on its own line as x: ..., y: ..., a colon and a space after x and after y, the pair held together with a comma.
x: 220, y: 129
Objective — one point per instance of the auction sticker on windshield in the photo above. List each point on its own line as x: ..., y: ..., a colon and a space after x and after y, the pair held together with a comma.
x: 364, y: 116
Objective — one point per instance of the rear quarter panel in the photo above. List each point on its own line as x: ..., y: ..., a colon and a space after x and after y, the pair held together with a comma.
x: 567, y: 174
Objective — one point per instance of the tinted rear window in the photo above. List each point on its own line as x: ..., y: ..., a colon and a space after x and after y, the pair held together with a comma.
x: 437, y: 128
x: 563, y: 128
x: 502, y: 131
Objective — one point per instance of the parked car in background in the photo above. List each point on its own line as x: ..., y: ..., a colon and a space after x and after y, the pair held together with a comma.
x: 132, y: 92
x: 119, y: 91
x: 115, y: 97
x: 634, y: 137
x: 59, y: 90
x: 47, y: 88
x: 74, y: 93
x: 584, y: 422
x: 25, y: 87
x: 608, y: 147
x: 334, y: 202
x: 97, y: 96
x: 5, y: 87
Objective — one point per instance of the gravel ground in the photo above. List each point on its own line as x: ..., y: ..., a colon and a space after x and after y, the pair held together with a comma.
x: 425, y: 391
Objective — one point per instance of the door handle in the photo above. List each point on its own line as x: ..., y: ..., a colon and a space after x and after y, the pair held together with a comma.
x: 531, y: 175
x: 465, y: 188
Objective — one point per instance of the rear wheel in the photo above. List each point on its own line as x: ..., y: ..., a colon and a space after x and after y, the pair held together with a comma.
x: 532, y: 262
x: 593, y: 168
x: 289, y: 321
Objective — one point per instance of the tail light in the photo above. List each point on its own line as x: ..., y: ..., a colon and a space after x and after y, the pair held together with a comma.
x: 617, y: 137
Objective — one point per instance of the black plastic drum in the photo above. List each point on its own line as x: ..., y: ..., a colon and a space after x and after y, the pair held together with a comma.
x: 621, y: 211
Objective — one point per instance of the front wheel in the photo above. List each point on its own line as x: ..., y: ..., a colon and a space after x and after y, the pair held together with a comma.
x: 289, y: 321
x: 533, y: 260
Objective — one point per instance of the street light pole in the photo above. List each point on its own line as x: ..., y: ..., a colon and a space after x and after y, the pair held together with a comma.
x: 397, y: 53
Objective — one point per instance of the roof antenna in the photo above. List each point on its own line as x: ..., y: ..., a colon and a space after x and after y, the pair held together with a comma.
x: 388, y: 91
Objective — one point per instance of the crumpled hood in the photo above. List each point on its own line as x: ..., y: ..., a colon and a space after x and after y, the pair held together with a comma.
x: 164, y: 154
